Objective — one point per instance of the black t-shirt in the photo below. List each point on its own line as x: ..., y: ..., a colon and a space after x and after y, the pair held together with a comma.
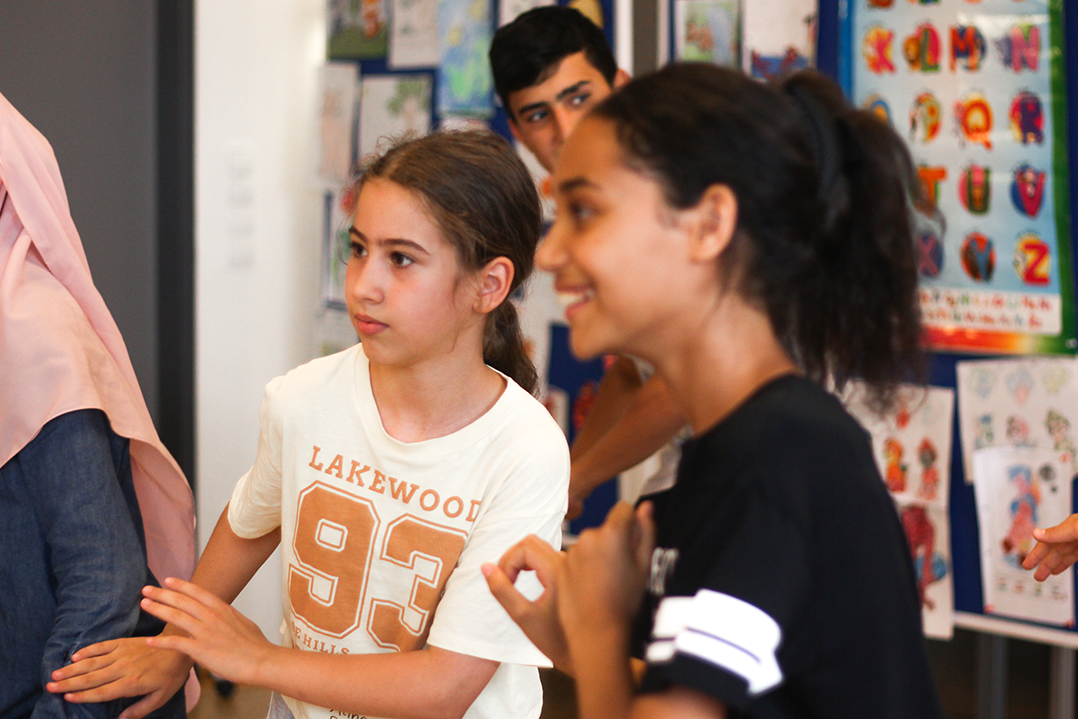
x: 781, y: 583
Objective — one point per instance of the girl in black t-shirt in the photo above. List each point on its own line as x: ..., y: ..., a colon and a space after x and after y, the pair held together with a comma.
x: 750, y: 241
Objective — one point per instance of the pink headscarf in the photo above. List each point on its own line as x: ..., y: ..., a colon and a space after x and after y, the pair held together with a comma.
x: 60, y: 349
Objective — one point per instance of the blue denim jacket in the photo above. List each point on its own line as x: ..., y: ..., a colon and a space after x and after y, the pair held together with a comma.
x: 72, y: 562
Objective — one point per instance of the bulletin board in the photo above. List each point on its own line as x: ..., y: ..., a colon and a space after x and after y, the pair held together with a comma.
x: 923, y: 37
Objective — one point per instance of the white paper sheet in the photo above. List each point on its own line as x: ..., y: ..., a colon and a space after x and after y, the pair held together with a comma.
x: 339, y: 83
x: 912, y: 447
x: 413, y: 38
x: 1029, y: 402
x: 1016, y: 490
x: 393, y: 106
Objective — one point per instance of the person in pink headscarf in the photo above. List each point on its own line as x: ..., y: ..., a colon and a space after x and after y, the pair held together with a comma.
x: 92, y: 505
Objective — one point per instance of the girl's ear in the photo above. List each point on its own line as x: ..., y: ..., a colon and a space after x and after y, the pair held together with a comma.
x: 495, y: 279
x: 715, y: 221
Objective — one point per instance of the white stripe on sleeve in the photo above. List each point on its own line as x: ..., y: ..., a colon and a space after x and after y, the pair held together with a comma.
x: 721, y: 630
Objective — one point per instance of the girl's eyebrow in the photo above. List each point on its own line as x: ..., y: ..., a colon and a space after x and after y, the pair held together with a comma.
x: 391, y: 241
x: 575, y: 182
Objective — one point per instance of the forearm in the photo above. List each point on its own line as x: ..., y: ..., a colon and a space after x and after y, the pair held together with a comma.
x: 430, y: 683
x: 616, y: 390
x: 603, y: 673
x: 651, y: 420
x: 229, y: 561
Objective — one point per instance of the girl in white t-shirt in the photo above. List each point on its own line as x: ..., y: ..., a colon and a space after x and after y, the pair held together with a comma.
x: 387, y: 473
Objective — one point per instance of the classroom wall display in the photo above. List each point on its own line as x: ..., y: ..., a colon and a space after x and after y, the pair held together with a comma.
x: 778, y: 37
x: 979, y: 94
x: 357, y: 29
x: 392, y: 107
x: 912, y: 447
x: 1028, y: 403
x: 1017, y: 489
x: 339, y: 97
x: 413, y: 38
x: 708, y: 31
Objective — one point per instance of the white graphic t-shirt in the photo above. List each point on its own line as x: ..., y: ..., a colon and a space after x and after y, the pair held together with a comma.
x: 382, y: 541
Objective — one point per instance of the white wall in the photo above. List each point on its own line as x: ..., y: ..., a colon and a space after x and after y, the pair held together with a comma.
x: 257, y: 240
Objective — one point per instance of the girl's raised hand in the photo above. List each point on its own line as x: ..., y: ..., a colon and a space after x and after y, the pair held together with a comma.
x: 603, y: 577
x: 539, y: 618
x: 219, y: 637
x: 1056, y: 549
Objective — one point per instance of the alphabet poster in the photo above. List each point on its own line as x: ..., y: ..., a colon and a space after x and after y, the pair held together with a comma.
x: 978, y: 93
x: 1021, y: 403
x: 1016, y: 490
x: 912, y: 446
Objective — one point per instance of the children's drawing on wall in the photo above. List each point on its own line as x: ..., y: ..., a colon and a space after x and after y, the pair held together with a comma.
x: 464, y: 30
x: 707, y: 31
x: 912, y: 443
x: 336, y: 245
x: 912, y: 446
x: 928, y: 532
x: 414, y: 34
x: 1022, y: 403
x: 357, y: 29
x: 339, y: 85
x: 393, y: 106
x: 1016, y: 490
x: 777, y: 37
x: 508, y: 10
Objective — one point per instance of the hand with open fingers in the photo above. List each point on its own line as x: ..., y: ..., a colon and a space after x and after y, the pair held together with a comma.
x: 218, y: 637
x: 1056, y: 549
x: 602, y: 580
x: 537, y: 618
x: 122, y: 668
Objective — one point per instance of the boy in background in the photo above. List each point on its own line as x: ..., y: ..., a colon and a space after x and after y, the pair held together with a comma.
x: 551, y: 65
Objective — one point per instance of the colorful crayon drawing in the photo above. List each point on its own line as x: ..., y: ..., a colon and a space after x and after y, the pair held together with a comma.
x: 1019, y: 383
x: 927, y: 455
x: 1018, y: 432
x: 896, y: 470
x: 1059, y: 429
x: 984, y: 436
x: 1024, y: 511
x: 929, y: 565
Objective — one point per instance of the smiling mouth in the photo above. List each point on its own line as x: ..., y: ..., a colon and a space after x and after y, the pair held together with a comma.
x: 574, y: 300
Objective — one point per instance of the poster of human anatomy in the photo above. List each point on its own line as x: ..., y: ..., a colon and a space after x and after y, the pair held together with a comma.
x: 971, y: 87
x: 1028, y: 403
x: 1018, y: 489
x: 912, y: 446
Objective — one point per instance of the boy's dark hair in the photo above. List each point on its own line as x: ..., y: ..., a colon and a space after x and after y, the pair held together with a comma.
x: 827, y: 197
x: 526, y: 51
x: 484, y: 200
